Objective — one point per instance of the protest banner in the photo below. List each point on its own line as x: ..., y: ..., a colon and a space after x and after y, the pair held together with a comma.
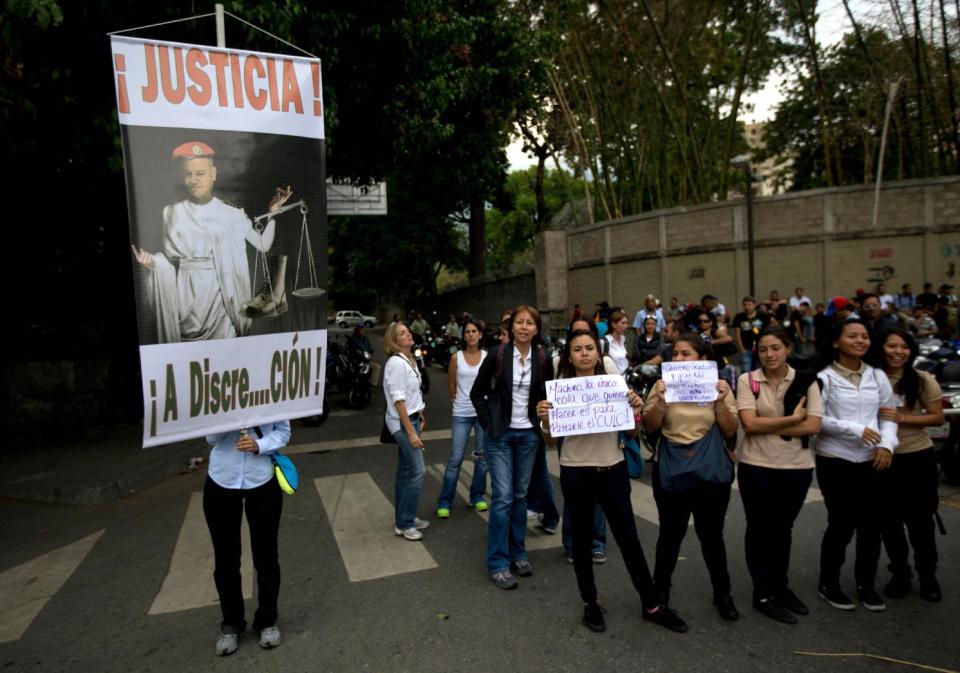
x: 692, y: 381
x: 588, y: 404
x: 222, y: 155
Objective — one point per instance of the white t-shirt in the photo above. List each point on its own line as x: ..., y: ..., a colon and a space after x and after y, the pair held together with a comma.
x: 795, y: 301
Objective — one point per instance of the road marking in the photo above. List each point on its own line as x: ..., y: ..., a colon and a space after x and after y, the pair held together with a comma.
x: 373, y: 440
x: 536, y: 538
x: 26, y: 588
x: 189, y: 581
x: 362, y: 519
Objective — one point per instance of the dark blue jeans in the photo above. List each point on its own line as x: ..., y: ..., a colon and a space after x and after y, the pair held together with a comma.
x: 460, y: 427
x: 510, y: 459
x: 540, y: 496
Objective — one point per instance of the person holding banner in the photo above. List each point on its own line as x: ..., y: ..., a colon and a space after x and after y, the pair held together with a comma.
x: 509, y: 385
x: 855, y: 447
x: 779, y: 409
x: 696, y: 429
x: 461, y: 374
x: 201, y: 280
x: 241, y: 478
x: 592, y: 471
x: 404, y: 421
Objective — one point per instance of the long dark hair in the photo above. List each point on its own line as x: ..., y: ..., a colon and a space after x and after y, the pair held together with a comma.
x: 909, y: 383
x: 830, y: 353
x: 565, y: 368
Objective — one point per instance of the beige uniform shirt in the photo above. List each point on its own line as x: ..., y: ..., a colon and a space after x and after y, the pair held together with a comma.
x: 686, y: 422
x: 770, y: 450
x: 914, y: 438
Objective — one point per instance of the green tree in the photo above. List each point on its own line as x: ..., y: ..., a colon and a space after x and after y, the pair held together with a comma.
x: 511, y: 226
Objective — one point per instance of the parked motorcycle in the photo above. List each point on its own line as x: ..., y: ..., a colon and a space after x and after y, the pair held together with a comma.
x: 348, y: 371
x: 446, y: 350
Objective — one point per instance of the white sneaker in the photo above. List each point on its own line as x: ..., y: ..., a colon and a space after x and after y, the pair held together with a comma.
x: 420, y: 524
x: 409, y: 533
x: 227, y: 644
x: 270, y: 637
x: 531, y: 514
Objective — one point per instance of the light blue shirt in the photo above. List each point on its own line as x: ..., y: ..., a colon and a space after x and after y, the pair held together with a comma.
x: 642, y: 315
x: 230, y: 468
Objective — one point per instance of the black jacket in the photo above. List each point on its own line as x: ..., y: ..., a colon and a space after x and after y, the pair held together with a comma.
x: 493, y: 400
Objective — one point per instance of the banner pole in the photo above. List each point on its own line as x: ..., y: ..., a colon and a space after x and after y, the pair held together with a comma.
x: 221, y: 28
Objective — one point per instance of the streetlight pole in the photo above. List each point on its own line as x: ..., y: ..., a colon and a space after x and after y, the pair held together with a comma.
x: 742, y: 162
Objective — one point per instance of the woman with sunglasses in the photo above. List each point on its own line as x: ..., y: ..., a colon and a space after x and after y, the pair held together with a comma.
x: 913, y: 474
x: 505, y: 394
x: 700, y: 427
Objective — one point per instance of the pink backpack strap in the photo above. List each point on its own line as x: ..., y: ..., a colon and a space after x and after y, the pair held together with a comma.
x: 754, y: 385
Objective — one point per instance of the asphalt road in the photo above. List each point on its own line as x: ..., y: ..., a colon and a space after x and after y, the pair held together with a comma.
x: 126, y: 586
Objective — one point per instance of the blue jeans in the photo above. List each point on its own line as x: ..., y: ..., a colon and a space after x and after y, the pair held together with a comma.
x: 410, y: 473
x: 540, y: 493
x: 459, y: 435
x: 749, y: 361
x: 599, y: 529
x: 510, y: 459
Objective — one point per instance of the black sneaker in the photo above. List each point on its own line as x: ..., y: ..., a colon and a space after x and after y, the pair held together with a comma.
x: 771, y: 609
x: 522, y: 568
x: 593, y: 617
x: 930, y: 590
x: 870, y: 599
x: 836, y: 598
x: 789, y: 600
x: 726, y: 608
x: 666, y: 618
x: 898, y: 587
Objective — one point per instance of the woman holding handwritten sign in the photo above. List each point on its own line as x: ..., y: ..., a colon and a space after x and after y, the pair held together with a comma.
x: 779, y: 408
x: 693, y: 432
x: 592, y: 470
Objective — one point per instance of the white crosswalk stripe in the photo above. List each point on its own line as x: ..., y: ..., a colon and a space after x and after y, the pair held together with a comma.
x: 26, y: 588
x: 189, y: 581
x: 361, y: 517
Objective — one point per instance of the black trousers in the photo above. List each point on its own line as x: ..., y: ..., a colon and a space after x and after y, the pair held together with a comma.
x: 913, y: 499
x: 583, y: 488
x: 708, y: 505
x: 223, y: 510
x: 772, y: 499
x: 852, y: 493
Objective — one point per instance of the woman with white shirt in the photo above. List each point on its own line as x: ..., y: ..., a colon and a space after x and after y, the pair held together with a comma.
x: 617, y: 338
x: 404, y: 420
x: 461, y: 374
x: 855, y: 444
x: 241, y: 477
x: 505, y: 394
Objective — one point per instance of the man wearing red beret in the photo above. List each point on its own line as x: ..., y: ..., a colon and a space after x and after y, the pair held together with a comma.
x: 200, y: 281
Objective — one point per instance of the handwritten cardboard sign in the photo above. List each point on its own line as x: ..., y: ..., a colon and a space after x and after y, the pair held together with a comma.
x: 589, y: 404
x: 692, y: 381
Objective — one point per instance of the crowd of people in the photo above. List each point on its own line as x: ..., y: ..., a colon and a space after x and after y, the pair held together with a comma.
x: 829, y: 389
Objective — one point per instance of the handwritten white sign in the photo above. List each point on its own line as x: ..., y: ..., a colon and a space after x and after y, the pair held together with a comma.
x: 692, y: 381
x: 589, y: 404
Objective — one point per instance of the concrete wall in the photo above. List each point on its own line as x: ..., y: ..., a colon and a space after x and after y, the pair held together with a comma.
x: 823, y: 240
